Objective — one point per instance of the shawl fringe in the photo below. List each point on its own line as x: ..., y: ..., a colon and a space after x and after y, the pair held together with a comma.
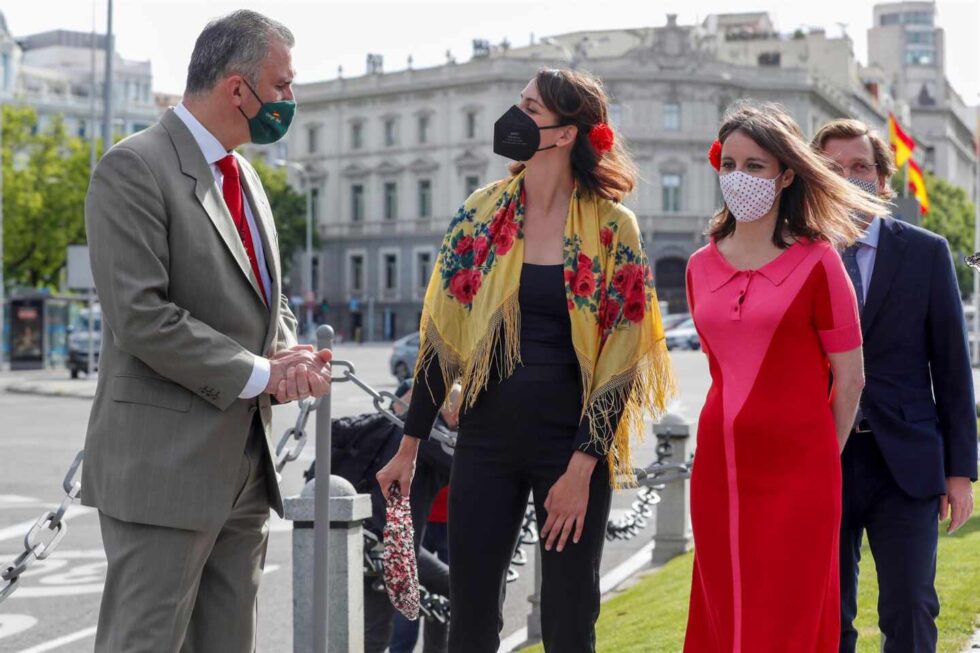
x: 487, y: 355
x: 644, y: 390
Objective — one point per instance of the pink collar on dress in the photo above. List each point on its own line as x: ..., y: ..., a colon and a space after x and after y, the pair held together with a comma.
x: 720, y: 271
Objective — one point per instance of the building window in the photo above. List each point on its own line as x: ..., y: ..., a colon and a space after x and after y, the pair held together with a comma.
x: 424, y: 266
x: 920, y: 38
x: 920, y: 56
x: 314, y: 206
x: 356, y: 273
x: 471, y: 124
x: 615, y: 115
x: 671, y: 184
x: 312, y: 132
x: 472, y: 183
x: 889, y: 19
x: 423, y: 129
x: 357, y: 203
x: 391, y: 200
x: 769, y: 59
x: 672, y: 117
x: 425, y: 198
x: 356, y: 136
x: 6, y: 70
x: 390, y: 271
x: 389, y: 132
x: 917, y: 18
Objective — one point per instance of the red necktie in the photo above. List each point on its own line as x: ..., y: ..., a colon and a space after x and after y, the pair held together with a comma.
x: 231, y: 187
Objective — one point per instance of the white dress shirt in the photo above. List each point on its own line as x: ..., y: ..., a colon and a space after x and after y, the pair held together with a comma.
x: 867, y: 252
x: 213, y: 152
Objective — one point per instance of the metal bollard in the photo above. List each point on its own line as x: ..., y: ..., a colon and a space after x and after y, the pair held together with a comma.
x: 674, y: 535
x: 348, y: 510
x: 321, y: 522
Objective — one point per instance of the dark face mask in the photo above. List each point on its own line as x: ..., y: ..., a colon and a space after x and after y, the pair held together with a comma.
x: 271, y: 121
x: 516, y: 135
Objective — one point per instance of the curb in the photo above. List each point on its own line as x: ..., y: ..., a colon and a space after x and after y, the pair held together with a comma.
x: 39, y: 390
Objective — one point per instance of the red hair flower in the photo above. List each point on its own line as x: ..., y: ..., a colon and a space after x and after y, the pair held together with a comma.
x: 602, y: 138
x: 714, y: 155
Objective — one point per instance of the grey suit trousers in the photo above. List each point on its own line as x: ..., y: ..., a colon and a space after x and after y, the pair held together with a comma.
x: 170, y: 590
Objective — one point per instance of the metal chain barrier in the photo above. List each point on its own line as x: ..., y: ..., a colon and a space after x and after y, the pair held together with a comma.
x: 297, y: 433
x: 651, y: 479
x: 50, y: 528
x: 45, y: 535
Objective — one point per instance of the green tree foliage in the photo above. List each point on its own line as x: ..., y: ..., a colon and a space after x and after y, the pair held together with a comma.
x: 289, y: 211
x: 45, y: 177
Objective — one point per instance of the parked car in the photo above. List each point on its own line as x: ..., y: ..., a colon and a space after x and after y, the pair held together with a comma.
x: 671, y: 320
x: 78, y: 346
x: 683, y: 336
x: 403, y: 355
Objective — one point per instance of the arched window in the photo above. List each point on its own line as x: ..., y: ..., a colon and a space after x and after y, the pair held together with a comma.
x: 669, y: 275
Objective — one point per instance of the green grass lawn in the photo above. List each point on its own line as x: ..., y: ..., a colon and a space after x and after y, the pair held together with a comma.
x: 650, y: 616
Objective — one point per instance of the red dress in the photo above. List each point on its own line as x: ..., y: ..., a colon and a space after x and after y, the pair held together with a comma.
x: 766, y: 483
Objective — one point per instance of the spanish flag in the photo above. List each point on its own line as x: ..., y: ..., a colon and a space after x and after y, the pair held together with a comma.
x: 917, y: 185
x: 901, y: 142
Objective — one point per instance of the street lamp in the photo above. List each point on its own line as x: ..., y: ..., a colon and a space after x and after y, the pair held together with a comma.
x: 304, y: 174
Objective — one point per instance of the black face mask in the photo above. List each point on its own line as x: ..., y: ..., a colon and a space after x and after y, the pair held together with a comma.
x: 516, y: 135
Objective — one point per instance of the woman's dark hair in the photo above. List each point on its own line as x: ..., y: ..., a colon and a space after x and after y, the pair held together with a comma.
x: 577, y: 98
x: 818, y: 203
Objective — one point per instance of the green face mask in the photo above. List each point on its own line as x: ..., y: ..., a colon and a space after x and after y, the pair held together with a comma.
x: 271, y: 122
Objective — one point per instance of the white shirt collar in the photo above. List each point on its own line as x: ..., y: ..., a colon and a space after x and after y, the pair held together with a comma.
x: 210, y: 146
x: 871, y: 234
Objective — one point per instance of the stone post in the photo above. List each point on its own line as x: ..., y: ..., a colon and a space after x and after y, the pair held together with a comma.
x: 674, y: 536
x: 346, y: 602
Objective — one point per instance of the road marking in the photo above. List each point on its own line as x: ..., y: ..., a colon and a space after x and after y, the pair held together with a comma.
x: 609, y: 581
x: 61, y: 641
x: 11, y: 624
x: 20, y: 530
x: 48, y: 592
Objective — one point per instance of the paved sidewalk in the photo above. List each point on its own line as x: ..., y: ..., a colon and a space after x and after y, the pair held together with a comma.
x: 49, y: 383
x: 974, y: 644
x: 57, y: 383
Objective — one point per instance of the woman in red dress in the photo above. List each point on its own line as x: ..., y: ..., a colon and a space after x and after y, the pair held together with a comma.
x: 776, y: 314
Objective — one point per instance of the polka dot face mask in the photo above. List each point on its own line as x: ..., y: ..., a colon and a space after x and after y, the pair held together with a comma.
x: 747, y: 197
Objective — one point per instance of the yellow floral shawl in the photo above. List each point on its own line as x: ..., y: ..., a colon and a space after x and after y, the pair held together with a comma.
x: 472, y: 302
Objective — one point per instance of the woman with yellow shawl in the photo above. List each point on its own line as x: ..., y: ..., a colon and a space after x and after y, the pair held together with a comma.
x: 542, y: 308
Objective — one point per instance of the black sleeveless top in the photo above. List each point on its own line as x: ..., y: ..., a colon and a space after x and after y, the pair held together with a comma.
x: 546, y: 339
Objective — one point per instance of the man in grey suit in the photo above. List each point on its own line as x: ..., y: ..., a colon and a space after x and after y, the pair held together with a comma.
x: 198, y: 341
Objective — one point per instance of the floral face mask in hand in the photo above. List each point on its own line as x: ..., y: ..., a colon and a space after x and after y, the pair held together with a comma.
x: 400, y: 571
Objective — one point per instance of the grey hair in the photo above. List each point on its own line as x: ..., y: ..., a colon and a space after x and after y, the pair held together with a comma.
x: 235, y: 44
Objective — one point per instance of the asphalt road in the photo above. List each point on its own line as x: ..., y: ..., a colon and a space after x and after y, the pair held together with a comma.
x: 56, y: 608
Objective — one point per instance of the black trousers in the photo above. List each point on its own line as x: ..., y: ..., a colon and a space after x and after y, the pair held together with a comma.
x: 517, y: 440
x: 903, y: 536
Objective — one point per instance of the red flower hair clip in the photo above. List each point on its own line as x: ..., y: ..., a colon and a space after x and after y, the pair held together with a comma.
x: 714, y: 155
x: 602, y: 138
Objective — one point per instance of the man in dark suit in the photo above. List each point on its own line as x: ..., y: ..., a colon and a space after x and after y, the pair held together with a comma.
x: 912, y: 454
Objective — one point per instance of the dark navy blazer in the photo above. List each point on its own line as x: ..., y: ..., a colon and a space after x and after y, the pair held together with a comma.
x: 918, y: 395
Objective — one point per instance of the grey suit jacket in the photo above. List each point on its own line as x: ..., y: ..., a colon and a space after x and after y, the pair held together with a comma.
x: 182, y: 317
